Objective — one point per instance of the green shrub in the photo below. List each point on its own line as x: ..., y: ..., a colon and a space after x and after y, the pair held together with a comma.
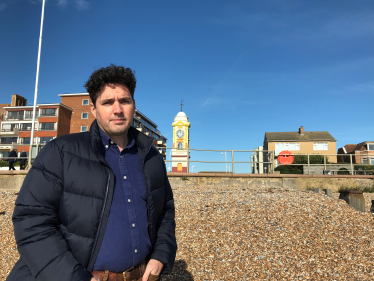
x: 364, y: 169
x: 286, y: 169
x: 6, y: 164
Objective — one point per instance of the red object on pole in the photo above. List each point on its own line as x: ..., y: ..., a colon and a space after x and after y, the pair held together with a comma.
x: 285, y: 157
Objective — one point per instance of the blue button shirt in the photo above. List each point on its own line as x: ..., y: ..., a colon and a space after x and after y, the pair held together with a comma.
x: 126, y: 241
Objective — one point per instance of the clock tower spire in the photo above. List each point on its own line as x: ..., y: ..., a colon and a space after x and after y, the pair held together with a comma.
x: 181, y: 141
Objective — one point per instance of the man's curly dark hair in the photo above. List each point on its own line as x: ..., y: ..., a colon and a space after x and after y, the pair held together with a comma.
x: 110, y: 75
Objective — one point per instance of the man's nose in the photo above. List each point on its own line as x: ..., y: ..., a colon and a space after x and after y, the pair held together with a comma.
x: 117, y: 108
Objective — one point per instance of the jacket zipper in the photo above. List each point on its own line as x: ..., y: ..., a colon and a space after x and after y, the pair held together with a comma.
x: 99, y: 228
x: 147, y: 185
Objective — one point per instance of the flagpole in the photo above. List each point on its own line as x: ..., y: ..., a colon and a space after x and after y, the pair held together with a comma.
x: 36, y: 89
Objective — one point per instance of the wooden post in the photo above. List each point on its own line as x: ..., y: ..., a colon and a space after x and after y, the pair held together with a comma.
x: 308, y: 165
x: 232, y: 158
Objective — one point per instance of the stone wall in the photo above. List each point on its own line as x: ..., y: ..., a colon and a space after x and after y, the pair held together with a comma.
x: 318, y: 169
x: 12, y: 180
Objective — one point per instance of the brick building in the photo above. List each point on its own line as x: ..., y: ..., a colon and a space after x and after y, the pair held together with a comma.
x: 81, y: 117
x: 72, y: 115
x: 362, y: 153
x: 51, y: 121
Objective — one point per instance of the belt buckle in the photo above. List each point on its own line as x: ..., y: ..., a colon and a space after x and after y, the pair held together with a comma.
x: 124, y: 273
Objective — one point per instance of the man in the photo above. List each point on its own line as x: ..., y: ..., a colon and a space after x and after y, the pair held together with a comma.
x: 97, y: 205
x: 22, y: 162
x: 11, y: 161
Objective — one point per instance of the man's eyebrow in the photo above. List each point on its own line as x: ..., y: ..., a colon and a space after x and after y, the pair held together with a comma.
x: 107, y: 100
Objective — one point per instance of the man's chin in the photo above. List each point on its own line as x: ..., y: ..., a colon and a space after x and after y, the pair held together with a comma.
x: 118, y: 132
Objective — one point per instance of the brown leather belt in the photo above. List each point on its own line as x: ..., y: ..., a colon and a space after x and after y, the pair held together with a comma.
x: 131, y: 274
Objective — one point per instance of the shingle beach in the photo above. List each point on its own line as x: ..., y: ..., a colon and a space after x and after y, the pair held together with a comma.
x: 232, y: 233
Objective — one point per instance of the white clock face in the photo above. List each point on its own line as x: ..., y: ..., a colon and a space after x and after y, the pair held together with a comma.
x: 180, y: 133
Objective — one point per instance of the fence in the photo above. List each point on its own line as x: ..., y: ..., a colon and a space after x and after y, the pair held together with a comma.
x: 261, y: 161
x: 265, y: 161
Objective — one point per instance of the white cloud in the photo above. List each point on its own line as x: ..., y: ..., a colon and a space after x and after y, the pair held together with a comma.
x: 2, y: 6
x: 82, y: 4
x: 62, y: 3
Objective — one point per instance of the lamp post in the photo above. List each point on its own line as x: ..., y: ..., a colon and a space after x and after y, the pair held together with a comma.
x: 36, y: 89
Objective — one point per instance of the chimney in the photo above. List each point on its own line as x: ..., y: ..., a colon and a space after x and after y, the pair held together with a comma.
x: 301, y: 131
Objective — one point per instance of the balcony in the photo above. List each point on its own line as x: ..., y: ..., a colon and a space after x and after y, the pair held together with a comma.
x: 18, y: 117
x: 160, y: 143
x: 48, y: 115
x: 9, y: 132
x: 8, y: 145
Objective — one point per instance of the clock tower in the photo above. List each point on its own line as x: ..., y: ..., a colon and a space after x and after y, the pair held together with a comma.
x: 179, y: 153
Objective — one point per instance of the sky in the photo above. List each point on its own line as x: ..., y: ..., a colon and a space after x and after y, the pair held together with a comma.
x: 243, y: 68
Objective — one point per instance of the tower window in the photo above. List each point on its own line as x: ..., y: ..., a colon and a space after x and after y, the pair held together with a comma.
x: 180, y: 145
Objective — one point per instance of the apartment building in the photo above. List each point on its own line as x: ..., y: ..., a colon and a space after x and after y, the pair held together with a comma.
x: 51, y: 120
x: 81, y: 117
x: 72, y: 115
x: 145, y: 125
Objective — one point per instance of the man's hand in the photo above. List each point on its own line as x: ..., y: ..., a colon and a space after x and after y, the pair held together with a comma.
x: 154, y: 267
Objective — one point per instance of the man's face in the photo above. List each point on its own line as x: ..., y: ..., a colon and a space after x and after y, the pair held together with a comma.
x: 114, y: 110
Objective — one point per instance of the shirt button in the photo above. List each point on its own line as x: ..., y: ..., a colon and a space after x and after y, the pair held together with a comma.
x: 128, y: 200
x: 111, y: 142
x: 120, y: 156
x: 106, y: 146
x: 136, y: 250
x: 133, y: 225
x: 125, y: 177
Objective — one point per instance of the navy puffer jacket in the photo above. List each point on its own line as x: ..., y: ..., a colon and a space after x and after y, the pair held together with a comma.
x: 63, y: 206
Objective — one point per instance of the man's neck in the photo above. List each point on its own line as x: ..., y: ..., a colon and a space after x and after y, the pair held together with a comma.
x: 121, y: 141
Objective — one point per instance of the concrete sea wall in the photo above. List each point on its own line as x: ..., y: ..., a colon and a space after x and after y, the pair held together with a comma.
x: 12, y: 180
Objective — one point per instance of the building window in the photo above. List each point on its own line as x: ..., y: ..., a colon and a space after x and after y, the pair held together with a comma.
x: 84, y: 115
x: 371, y: 146
x: 83, y: 128
x: 25, y: 127
x: 364, y: 160
x: 286, y: 146
x: 180, y: 145
x: 320, y: 146
x: 371, y: 161
x: 48, y: 112
x: 8, y: 140
x: 47, y: 126
x: 9, y: 127
x: 44, y: 140
x: 85, y: 102
x: 15, y: 115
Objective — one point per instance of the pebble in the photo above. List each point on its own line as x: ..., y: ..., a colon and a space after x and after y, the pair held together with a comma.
x: 236, y: 233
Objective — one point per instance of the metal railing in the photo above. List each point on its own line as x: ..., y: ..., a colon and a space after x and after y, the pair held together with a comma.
x: 231, y: 154
x: 18, y: 117
x: 268, y: 164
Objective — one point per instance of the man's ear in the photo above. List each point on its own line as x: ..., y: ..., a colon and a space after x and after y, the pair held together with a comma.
x: 93, y: 109
x: 134, y: 108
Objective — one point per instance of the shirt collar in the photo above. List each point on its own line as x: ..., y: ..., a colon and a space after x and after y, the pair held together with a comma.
x: 107, y: 141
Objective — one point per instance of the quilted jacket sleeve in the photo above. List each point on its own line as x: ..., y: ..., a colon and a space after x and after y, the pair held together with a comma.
x: 36, y: 221
x: 165, y: 248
